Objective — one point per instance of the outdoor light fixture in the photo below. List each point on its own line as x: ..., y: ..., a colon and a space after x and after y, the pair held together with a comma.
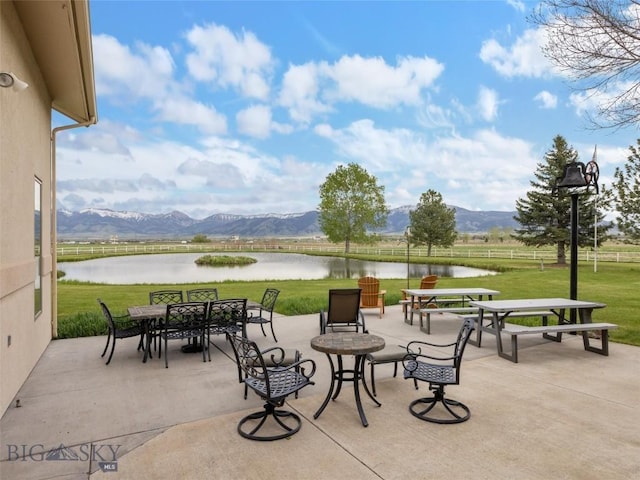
x: 577, y: 178
x: 8, y: 79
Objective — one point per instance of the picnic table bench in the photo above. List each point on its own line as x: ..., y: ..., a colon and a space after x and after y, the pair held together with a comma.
x: 500, y: 310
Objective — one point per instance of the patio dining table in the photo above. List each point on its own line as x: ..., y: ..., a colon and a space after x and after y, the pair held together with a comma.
x: 347, y: 343
x: 147, y: 315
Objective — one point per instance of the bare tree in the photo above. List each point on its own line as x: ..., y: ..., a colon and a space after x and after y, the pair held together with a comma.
x: 596, y: 44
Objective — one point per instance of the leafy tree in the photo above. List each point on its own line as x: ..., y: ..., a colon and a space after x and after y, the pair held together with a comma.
x: 351, y: 204
x: 627, y: 186
x: 545, y: 214
x: 596, y: 44
x: 432, y: 222
x: 200, y: 238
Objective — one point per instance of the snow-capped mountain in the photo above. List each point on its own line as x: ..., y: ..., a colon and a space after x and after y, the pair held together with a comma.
x: 97, y: 223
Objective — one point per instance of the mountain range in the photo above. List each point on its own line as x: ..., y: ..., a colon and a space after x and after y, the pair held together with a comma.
x: 102, y: 224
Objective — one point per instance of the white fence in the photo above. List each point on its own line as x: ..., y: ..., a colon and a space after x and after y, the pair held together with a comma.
x: 538, y: 255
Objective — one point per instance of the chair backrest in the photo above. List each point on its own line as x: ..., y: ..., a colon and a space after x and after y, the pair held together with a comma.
x: 269, y: 298
x: 165, y: 297
x: 370, y: 287
x: 107, y: 315
x: 227, y: 315
x: 249, y: 360
x: 344, y: 306
x: 428, y: 281
x: 468, y: 326
x: 185, y: 315
x: 202, y: 294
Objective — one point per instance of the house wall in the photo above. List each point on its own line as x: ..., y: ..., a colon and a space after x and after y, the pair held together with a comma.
x: 25, y: 126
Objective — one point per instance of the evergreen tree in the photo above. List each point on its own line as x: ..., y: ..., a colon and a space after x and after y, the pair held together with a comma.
x: 545, y: 214
x: 351, y: 204
x: 432, y: 222
x: 627, y: 186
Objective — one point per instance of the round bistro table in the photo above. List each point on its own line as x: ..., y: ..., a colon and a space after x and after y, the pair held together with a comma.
x: 347, y: 343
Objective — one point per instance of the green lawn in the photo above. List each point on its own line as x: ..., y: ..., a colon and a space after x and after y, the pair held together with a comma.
x: 615, y: 284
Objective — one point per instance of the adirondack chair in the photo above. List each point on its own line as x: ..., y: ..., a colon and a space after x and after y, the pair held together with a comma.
x: 371, y: 295
x: 428, y: 281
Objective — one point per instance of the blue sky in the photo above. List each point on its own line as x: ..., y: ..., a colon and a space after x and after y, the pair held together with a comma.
x: 245, y: 107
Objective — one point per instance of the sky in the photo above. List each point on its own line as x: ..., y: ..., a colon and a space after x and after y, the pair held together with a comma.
x: 244, y: 108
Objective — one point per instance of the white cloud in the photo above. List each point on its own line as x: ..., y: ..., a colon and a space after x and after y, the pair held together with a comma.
x: 255, y: 121
x: 519, y: 5
x: 488, y: 103
x: 123, y: 74
x: 546, y: 99
x: 299, y: 93
x: 190, y: 112
x: 523, y: 58
x: 371, y: 81
x: 241, y: 62
x: 312, y: 89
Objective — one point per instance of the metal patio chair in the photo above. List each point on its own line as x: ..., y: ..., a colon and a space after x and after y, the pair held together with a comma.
x: 264, y: 311
x: 439, y: 370
x: 273, y: 385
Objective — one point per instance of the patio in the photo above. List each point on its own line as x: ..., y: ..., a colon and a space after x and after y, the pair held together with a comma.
x: 561, y: 412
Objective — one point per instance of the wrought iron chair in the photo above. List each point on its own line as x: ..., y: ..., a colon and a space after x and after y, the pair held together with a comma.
x: 227, y: 316
x: 438, y: 371
x: 344, y: 312
x: 274, y: 357
x: 185, y: 321
x: 265, y: 311
x: 202, y: 294
x: 120, y: 327
x: 164, y: 297
x: 371, y: 296
x: 273, y: 385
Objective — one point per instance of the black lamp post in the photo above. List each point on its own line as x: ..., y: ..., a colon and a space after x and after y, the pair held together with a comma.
x: 407, y: 234
x: 577, y: 178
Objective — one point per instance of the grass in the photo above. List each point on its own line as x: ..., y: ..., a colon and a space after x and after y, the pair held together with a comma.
x: 223, y: 261
x: 615, y: 284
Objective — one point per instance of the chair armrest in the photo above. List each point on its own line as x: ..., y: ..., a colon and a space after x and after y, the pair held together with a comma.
x: 299, y: 366
x: 124, y: 321
x: 364, y: 327
x: 323, y: 323
x: 275, y: 354
x: 421, y: 343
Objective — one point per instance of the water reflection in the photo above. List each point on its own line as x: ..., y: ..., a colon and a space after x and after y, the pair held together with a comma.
x: 180, y: 268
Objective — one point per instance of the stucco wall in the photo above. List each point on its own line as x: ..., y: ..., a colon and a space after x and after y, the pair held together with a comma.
x: 25, y: 125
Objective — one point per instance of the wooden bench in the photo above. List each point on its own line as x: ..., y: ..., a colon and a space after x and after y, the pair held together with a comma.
x: 546, y: 330
x: 427, y: 312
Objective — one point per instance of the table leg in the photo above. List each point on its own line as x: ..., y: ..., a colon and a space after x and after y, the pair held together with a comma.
x: 361, y: 374
x: 413, y: 298
x: 356, y: 390
x: 478, y: 340
x: 339, y: 375
x: 331, y: 387
x: 496, y: 322
x: 146, y: 326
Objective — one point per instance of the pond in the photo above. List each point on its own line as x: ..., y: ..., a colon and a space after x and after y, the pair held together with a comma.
x: 180, y: 268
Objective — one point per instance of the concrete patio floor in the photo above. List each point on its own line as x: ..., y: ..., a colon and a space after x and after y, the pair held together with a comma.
x: 560, y: 413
